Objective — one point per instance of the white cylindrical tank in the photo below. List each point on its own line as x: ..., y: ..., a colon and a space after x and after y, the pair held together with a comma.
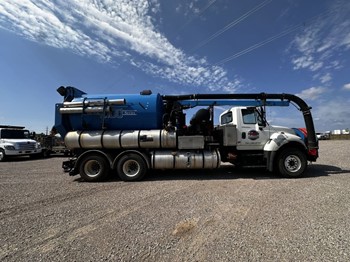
x: 117, y: 139
x: 167, y: 159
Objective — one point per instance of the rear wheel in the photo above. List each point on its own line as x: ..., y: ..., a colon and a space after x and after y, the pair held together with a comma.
x: 131, y: 167
x: 292, y: 162
x: 93, y: 168
x: 2, y: 155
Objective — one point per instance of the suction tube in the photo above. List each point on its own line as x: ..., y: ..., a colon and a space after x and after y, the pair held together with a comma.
x: 304, y: 108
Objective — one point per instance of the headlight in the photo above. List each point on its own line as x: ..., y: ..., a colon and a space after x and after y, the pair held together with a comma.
x: 10, y: 148
x: 38, y: 145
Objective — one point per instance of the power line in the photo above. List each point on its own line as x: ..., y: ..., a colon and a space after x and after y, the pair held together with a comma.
x: 232, y: 24
x: 275, y: 37
x: 262, y: 43
x: 206, y: 7
x: 199, y: 14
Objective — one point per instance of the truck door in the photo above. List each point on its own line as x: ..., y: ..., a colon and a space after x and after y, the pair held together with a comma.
x: 253, y: 132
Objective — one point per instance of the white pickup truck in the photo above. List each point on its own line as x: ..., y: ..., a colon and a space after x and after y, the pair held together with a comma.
x: 16, y: 141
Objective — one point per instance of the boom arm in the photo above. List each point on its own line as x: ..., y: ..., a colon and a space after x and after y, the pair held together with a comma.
x: 255, y: 103
x: 259, y: 99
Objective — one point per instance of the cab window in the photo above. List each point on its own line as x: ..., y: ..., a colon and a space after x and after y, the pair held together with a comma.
x: 249, y: 116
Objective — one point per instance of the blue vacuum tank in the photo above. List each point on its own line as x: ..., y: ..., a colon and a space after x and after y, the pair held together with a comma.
x: 108, y: 112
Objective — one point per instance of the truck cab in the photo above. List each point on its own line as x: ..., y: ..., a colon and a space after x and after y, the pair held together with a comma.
x: 17, y: 141
x: 256, y: 143
x: 253, y: 130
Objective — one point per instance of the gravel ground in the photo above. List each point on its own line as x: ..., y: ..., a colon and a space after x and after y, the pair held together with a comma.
x: 222, y: 215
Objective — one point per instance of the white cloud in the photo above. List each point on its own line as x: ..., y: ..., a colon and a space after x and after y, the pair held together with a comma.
x: 332, y: 114
x: 316, y: 48
x: 325, y: 78
x: 111, y: 31
x: 312, y: 93
x: 347, y: 86
x: 327, y: 114
x: 306, y: 62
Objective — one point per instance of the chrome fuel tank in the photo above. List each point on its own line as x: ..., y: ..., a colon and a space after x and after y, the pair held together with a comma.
x: 168, y: 159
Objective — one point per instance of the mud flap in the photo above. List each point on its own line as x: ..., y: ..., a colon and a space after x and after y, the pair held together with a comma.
x: 69, y: 166
x: 269, y: 156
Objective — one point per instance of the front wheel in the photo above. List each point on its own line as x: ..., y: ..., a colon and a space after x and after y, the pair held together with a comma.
x: 131, y: 167
x: 93, y: 168
x: 292, y: 163
x: 2, y: 155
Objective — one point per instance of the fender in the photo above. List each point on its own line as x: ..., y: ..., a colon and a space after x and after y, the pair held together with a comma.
x: 276, y: 142
x: 74, y: 163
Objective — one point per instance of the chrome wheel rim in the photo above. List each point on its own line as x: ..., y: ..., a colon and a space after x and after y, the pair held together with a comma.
x: 2, y: 155
x: 92, y: 168
x: 131, y: 168
x: 292, y: 163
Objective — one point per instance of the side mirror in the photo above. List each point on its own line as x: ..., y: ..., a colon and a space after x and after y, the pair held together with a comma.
x: 261, y: 121
x: 32, y: 135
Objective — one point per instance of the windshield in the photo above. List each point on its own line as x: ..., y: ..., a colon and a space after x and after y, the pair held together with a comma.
x: 13, y: 133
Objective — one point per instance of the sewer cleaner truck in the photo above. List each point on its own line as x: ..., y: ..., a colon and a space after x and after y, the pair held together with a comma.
x: 129, y: 134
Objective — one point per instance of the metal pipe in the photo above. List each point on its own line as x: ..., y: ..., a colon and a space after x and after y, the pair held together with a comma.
x: 116, y: 102
x: 100, y: 102
x: 80, y: 110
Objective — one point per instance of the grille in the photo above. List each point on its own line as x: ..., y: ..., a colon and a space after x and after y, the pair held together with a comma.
x: 26, y: 146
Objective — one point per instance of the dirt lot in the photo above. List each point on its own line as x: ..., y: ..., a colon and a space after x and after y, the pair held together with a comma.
x: 223, y: 215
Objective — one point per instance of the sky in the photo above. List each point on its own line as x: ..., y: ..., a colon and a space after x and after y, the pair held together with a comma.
x: 299, y: 47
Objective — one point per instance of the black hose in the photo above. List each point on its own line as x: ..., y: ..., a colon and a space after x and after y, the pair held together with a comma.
x: 304, y: 108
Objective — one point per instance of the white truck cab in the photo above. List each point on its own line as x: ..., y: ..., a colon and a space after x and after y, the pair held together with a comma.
x: 255, y: 137
x: 253, y: 131
x: 16, y: 141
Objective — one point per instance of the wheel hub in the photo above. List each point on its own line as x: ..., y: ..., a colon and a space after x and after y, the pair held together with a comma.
x: 131, y: 168
x: 92, y: 168
x: 292, y: 163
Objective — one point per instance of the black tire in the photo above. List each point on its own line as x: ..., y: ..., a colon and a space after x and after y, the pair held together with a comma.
x: 2, y: 155
x: 131, y: 167
x: 93, y: 168
x: 292, y: 162
x: 36, y: 156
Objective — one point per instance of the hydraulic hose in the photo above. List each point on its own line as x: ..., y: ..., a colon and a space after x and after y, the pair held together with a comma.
x: 304, y: 108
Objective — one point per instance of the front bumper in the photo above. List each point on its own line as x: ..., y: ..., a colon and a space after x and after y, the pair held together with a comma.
x: 22, y: 152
